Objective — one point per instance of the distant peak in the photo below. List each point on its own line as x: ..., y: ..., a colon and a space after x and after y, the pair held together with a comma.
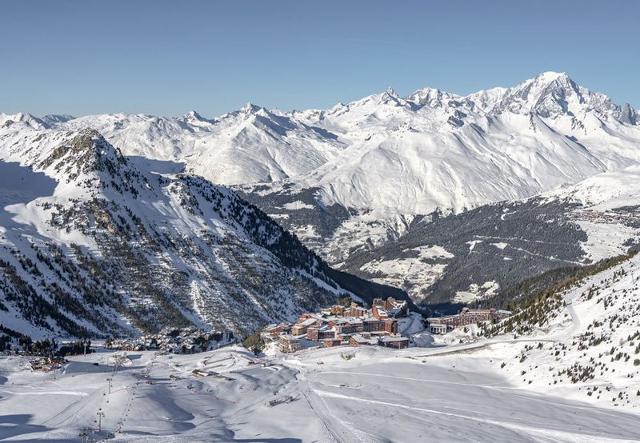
x: 430, y: 96
x: 550, y: 76
x: 250, y: 108
x: 389, y: 96
x: 53, y: 119
x: 193, y: 115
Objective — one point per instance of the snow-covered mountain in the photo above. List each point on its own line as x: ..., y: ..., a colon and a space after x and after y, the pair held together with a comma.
x: 93, y: 242
x: 362, y: 175
x: 435, y: 150
x: 493, y: 249
x: 431, y: 149
x: 581, y: 336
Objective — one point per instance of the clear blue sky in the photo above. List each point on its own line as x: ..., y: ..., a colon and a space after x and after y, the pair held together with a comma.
x: 166, y: 58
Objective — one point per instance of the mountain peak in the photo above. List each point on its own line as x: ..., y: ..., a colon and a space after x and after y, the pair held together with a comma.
x: 549, y: 94
x: 194, y: 118
x: 25, y: 118
x: 389, y: 96
x: 549, y: 76
x: 430, y: 96
x: 193, y: 115
x: 86, y: 153
x: 250, y: 108
x: 54, y: 119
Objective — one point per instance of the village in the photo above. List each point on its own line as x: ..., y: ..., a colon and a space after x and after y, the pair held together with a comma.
x: 354, y: 325
x: 340, y: 325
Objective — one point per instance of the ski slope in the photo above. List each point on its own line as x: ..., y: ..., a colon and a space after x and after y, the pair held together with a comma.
x: 377, y: 395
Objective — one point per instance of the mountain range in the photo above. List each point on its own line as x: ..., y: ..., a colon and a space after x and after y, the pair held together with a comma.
x: 450, y: 197
x: 93, y: 243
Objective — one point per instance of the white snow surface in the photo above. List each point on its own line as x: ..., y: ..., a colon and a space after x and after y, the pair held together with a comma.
x: 477, y: 292
x: 600, y: 196
x: 456, y: 387
x: 378, y: 395
x: 475, y: 390
x: 594, y: 328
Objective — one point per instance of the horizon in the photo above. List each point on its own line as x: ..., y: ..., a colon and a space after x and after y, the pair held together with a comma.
x: 161, y: 58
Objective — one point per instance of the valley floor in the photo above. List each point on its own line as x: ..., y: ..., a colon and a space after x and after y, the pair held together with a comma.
x: 338, y: 394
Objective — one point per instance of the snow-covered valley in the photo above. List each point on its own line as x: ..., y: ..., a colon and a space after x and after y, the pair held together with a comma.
x: 536, y: 385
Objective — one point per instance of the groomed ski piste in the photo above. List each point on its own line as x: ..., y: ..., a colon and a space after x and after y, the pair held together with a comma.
x: 377, y: 395
x: 455, y: 392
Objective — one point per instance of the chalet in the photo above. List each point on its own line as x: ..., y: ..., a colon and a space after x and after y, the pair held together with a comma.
x: 306, y: 316
x: 372, y: 324
x: 390, y: 307
x: 379, y: 312
x: 312, y: 333
x: 275, y: 330
x: 396, y: 308
x: 361, y: 340
x: 331, y: 342
x: 349, y: 326
x: 320, y: 333
x: 394, y: 341
x: 391, y: 326
x: 46, y: 364
x: 466, y: 317
x: 301, y: 328
x: 355, y: 311
x: 288, y: 343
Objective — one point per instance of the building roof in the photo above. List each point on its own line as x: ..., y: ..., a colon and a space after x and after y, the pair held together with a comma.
x: 289, y: 338
x: 365, y: 341
x: 308, y: 322
x: 391, y: 338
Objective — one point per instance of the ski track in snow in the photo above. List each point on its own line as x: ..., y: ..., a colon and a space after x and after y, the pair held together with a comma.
x: 378, y: 395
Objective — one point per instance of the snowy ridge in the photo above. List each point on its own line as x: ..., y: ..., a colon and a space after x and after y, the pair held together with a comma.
x: 96, y: 243
x: 604, y: 191
x: 431, y: 149
x: 363, y: 174
x: 584, y: 341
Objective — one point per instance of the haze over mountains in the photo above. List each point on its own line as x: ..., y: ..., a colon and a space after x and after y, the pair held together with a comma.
x: 365, y: 184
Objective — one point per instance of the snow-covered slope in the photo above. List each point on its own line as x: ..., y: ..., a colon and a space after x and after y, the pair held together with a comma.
x: 495, y: 247
x: 376, y: 395
x: 582, y: 340
x: 93, y: 242
x: 609, y: 205
x: 433, y: 150
x: 614, y: 189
